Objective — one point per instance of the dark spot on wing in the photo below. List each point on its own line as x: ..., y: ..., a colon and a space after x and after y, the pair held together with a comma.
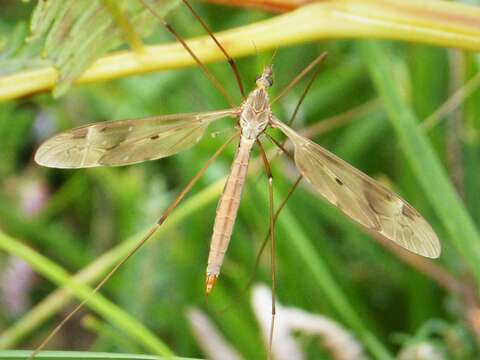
x: 339, y: 182
x: 409, y: 212
x: 154, y: 137
x: 103, y: 129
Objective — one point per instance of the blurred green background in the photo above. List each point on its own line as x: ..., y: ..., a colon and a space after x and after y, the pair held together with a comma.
x: 326, y: 265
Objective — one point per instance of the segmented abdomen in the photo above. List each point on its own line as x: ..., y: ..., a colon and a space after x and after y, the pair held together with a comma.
x: 228, y: 207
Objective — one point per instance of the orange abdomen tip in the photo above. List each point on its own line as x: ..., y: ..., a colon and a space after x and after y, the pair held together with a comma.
x: 210, y: 283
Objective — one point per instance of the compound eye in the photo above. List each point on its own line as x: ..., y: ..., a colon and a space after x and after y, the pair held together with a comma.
x: 270, y: 80
x: 265, y: 80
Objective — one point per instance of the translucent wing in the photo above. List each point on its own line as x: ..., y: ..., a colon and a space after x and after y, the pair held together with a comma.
x: 125, y: 142
x: 362, y: 198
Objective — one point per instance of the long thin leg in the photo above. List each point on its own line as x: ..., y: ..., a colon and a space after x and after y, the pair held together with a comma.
x: 318, y: 60
x: 207, y: 72
x: 272, y: 240
x: 281, y: 147
x: 275, y: 218
x: 264, y: 244
x: 149, y: 234
x: 230, y: 60
x: 314, y: 63
x: 277, y: 213
x: 305, y: 91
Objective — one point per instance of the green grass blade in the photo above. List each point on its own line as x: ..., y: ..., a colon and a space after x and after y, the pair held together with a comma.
x: 425, y: 164
x: 107, y: 309
x: 79, y: 355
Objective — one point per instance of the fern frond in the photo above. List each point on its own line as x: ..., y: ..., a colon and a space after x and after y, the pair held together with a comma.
x: 76, y: 33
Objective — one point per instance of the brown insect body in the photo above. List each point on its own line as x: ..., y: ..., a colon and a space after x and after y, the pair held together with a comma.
x: 255, y: 114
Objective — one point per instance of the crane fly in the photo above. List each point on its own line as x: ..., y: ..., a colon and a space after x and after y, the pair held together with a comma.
x: 126, y: 142
x: 357, y: 195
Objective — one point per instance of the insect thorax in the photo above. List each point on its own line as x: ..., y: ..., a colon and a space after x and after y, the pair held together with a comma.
x: 255, y: 114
